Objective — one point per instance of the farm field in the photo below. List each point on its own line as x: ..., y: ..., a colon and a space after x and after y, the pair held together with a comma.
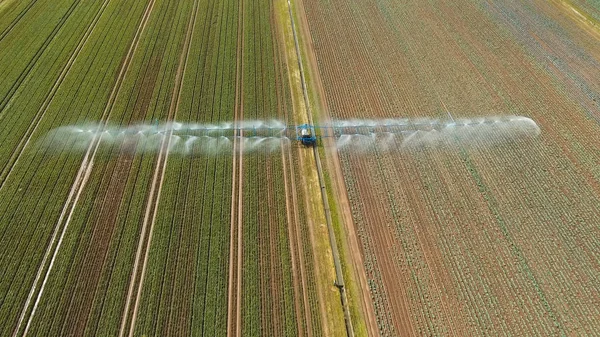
x: 122, y: 238
x: 147, y: 187
x: 467, y: 235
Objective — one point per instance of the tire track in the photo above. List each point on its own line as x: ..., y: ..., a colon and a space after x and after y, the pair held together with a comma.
x: 239, y: 219
x: 157, y: 183
x: 81, y: 178
x: 8, y: 169
x: 236, y: 202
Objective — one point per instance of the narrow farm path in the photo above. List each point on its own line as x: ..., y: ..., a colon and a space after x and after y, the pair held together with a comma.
x: 291, y: 208
x: 317, y: 294
x: 234, y: 327
x: 316, y: 93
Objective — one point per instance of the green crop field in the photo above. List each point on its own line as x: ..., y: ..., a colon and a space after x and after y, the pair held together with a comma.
x: 111, y: 238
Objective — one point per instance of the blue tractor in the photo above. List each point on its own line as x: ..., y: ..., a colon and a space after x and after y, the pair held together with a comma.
x: 305, y: 133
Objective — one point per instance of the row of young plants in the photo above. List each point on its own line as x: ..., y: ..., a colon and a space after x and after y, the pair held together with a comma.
x: 27, y: 43
x: 530, y: 186
x: 538, y: 190
x: 31, y: 94
x: 185, y: 289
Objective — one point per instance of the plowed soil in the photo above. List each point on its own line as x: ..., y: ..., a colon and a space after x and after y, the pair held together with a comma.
x: 496, y: 236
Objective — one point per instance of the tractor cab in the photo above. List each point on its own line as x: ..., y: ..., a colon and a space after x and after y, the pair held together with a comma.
x: 306, y: 135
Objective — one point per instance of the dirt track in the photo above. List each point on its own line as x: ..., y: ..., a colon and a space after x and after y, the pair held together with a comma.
x: 234, y: 310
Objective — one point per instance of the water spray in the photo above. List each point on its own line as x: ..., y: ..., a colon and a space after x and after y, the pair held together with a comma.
x: 267, y: 136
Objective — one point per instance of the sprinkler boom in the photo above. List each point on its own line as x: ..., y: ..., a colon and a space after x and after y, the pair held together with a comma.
x: 356, y: 134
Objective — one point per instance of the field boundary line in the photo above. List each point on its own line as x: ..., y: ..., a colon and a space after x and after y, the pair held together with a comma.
x: 49, y: 98
x: 153, y: 202
x: 84, y: 169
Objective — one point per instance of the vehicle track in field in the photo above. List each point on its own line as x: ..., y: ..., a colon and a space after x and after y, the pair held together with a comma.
x: 239, y: 213
x: 299, y: 117
x: 235, y: 237
x: 81, y: 178
x: 156, y: 186
x: 24, y: 142
x: 96, y: 248
x: 175, y: 317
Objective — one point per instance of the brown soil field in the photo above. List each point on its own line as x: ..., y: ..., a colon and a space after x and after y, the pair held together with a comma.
x: 478, y: 235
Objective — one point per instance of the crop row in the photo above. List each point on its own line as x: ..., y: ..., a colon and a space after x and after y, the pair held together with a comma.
x: 186, y: 287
